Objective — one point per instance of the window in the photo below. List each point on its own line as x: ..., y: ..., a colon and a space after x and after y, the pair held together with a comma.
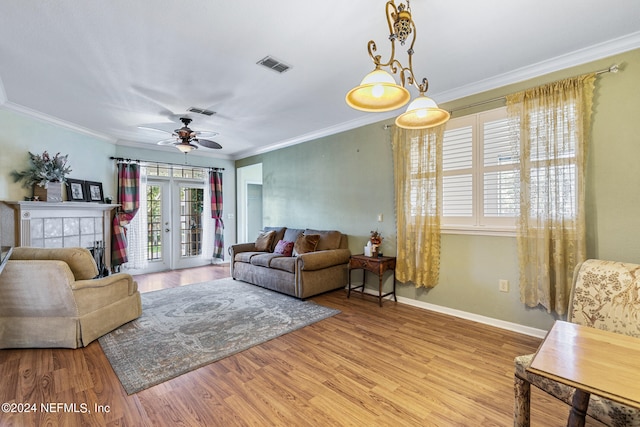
x: 481, y: 171
x: 479, y: 174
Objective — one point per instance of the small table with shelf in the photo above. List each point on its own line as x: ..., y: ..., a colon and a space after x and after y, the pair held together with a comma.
x: 377, y: 265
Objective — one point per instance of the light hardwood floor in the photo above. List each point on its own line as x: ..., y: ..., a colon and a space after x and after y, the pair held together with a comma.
x: 367, y: 366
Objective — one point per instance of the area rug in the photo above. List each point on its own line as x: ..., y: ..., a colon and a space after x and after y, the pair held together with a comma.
x: 184, y: 328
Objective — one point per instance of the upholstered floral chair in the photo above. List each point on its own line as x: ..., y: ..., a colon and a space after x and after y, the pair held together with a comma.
x: 605, y: 295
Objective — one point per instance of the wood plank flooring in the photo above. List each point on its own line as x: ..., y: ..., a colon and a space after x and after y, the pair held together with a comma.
x: 367, y: 366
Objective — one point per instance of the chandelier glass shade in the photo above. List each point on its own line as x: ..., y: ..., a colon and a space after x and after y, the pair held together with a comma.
x: 379, y: 92
x: 422, y: 113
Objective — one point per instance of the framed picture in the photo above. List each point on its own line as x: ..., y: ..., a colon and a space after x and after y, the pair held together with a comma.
x: 93, y: 191
x: 75, y: 190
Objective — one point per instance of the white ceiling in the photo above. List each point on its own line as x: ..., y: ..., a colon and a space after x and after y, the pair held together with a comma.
x: 107, y: 67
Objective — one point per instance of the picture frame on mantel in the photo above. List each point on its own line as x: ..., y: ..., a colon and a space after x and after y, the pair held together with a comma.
x: 75, y: 190
x: 93, y: 191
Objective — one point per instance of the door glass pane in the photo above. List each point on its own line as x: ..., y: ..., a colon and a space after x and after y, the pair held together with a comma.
x: 154, y: 221
x: 191, y: 206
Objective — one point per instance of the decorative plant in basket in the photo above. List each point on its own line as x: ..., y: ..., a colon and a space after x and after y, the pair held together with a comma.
x: 46, y: 175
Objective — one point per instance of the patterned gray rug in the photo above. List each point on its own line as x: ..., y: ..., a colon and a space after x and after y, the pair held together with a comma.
x: 184, y: 328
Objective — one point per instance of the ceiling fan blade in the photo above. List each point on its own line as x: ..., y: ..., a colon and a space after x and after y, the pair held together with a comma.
x: 207, y: 143
x: 153, y: 129
x: 205, y: 133
x: 167, y: 141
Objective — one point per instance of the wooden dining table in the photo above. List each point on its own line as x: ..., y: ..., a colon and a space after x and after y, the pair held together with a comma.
x: 593, y: 361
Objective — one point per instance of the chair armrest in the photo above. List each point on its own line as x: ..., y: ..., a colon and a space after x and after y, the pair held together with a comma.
x: 323, y: 259
x: 35, y: 288
x: 107, y: 281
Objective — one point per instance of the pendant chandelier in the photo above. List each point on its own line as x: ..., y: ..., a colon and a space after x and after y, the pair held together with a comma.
x: 379, y: 92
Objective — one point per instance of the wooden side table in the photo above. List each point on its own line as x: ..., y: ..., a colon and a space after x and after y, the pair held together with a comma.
x: 376, y: 265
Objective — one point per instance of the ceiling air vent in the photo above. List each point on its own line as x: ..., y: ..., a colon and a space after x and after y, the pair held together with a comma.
x: 274, y: 64
x: 201, y: 111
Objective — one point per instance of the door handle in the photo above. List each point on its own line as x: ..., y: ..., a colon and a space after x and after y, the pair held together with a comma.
x: 166, y: 230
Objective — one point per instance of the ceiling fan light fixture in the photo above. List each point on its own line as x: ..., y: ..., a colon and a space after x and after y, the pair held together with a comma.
x: 183, y: 138
x: 422, y: 113
x: 186, y: 147
x: 378, y: 92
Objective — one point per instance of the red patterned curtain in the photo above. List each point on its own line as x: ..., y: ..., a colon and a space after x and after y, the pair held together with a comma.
x: 215, y: 181
x: 129, y: 200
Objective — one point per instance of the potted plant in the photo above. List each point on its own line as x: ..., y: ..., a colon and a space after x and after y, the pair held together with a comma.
x: 46, y: 176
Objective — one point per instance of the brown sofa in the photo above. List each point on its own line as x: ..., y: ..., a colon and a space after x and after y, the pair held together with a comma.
x: 50, y: 298
x: 309, y: 272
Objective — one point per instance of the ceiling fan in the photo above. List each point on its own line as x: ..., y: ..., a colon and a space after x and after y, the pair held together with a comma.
x: 184, y: 138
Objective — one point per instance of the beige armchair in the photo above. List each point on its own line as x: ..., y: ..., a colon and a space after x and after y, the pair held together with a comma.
x: 605, y: 295
x: 49, y: 298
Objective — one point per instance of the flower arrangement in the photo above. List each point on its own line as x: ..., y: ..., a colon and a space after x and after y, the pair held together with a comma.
x: 376, y: 238
x: 44, y: 169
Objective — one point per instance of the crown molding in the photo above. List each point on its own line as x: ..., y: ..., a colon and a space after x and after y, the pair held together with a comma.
x: 578, y: 57
x: 169, y: 149
x: 56, y: 121
x: 365, y: 120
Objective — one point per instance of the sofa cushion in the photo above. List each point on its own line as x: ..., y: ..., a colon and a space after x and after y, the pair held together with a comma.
x: 292, y: 234
x: 329, y: 239
x: 306, y: 243
x: 279, y: 235
x: 246, y: 256
x: 284, y: 248
x: 284, y: 263
x: 263, y: 259
x: 264, y: 241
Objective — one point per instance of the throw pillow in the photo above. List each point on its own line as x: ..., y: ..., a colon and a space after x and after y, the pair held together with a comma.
x: 306, y: 243
x: 284, y: 248
x: 264, y: 240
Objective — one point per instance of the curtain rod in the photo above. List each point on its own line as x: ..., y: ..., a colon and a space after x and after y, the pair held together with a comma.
x: 613, y: 69
x: 122, y: 159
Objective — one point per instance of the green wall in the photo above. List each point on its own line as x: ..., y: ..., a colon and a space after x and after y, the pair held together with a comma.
x: 88, y: 155
x: 345, y: 180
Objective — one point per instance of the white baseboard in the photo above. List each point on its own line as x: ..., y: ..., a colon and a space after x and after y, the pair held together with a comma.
x: 510, y: 326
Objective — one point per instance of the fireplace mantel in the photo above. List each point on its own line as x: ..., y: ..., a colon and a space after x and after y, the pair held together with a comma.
x: 56, y: 224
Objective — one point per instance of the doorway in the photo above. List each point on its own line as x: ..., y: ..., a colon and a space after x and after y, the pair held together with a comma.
x: 249, y: 202
x: 254, y: 210
x: 175, y: 224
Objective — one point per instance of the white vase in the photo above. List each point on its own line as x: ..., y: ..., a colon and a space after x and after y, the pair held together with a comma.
x: 51, y: 192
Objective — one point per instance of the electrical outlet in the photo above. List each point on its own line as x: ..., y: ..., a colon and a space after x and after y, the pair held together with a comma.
x: 503, y: 285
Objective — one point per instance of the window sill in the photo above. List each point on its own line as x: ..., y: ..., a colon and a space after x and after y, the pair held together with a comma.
x: 479, y: 230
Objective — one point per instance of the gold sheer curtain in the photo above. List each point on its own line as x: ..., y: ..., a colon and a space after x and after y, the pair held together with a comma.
x: 552, y: 123
x: 418, y: 183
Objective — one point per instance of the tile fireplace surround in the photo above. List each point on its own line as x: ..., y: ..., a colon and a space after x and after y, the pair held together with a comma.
x: 56, y: 225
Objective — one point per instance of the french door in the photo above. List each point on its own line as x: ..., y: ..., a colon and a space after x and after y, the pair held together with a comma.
x: 176, y: 224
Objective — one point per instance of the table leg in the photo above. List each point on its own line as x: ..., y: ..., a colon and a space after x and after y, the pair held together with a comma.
x: 349, y: 285
x: 380, y: 289
x: 579, y: 407
x: 394, y: 286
